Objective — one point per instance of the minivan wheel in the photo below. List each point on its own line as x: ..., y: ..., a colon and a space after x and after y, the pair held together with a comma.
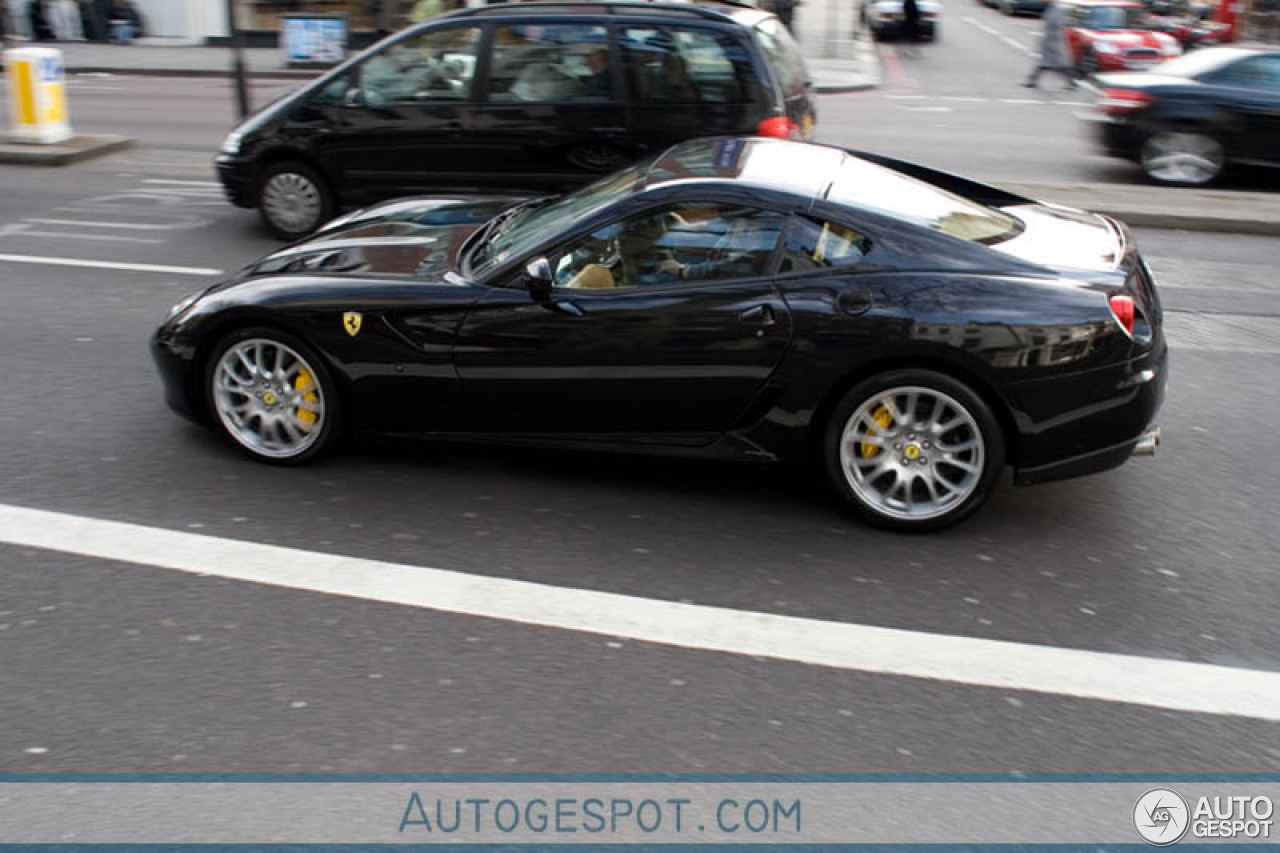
x: 1182, y: 157
x: 293, y: 199
x: 913, y: 450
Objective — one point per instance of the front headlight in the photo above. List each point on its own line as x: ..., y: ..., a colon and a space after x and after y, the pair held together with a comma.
x: 182, y: 307
x: 1105, y: 47
x: 231, y: 145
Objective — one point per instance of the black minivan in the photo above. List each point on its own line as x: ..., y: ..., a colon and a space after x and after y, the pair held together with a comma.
x: 539, y: 97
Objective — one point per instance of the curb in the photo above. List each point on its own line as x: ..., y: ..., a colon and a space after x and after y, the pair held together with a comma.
x: 1192, y: 222
x: 81, y: 147
x: 870, y: 77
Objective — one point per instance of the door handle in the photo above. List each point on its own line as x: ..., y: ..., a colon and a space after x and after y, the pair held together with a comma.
x: 760, y: 315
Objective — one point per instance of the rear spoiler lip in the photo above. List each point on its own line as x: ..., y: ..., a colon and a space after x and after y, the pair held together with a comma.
x: 964, y: 187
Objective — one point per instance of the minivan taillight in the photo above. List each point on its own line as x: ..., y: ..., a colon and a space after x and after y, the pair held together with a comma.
x: 1115, y: 102
x: 1123, y: 308
x: 779, y: 127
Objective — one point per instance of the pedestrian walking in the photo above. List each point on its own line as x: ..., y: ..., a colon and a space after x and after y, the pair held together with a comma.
x: 64, y: 18
x: 911, y: 24
x: 1053, y: 47
x: 4, y: 23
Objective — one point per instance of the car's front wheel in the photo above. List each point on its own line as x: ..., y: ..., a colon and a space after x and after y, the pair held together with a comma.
x: 271, y: 395
x: 293, y: 199
x: 913, y: 450
x: 1182, y: 157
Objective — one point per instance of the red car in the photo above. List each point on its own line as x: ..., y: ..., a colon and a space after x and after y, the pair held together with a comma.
x: 1113, y: 35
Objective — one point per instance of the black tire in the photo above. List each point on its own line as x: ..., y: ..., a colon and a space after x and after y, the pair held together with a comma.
x: 314, y: 207
x: 988, y: 457
x: 329, y: 426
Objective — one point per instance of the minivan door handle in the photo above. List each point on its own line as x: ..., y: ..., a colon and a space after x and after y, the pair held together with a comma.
x: 760, y: 315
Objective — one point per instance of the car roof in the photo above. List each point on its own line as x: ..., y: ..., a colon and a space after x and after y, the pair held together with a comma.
x: 723, y: 11
x: 796, y: 168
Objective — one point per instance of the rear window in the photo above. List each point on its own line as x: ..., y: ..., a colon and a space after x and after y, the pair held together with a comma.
x: 783, y: 54
x: 866, y: 185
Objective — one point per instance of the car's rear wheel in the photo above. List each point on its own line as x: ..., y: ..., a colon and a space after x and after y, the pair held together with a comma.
x: 293, y: 199
x: 913, y: 450
x: 271, y: 395
x: 1182, y: 157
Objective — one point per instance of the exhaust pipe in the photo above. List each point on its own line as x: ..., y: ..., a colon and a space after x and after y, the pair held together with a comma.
x: 1148, y: 443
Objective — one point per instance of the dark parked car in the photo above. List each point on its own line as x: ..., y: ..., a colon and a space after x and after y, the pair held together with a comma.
x: 524, y: 96
x: 753, y: 298
x: 1185, y: 120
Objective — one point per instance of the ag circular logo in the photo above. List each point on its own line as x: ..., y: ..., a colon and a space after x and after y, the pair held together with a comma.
x: 1161, y: 816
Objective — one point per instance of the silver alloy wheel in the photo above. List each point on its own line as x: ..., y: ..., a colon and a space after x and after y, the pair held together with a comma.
x: 292, y: 202
x: 926, y: 461
x: 268, y: 398
x: 1182, y: 157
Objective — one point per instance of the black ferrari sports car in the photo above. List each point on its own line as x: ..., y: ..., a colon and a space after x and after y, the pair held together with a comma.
x: 914, y: 331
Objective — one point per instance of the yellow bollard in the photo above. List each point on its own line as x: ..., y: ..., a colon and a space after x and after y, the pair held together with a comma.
x: 37, y: 95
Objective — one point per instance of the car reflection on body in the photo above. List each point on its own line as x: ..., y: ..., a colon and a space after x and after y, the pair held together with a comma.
x: 745, y: 297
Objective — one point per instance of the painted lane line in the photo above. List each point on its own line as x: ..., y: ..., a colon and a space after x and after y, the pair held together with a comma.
x: 105, y: 238
x: 107, y: 265
x: 1175, y: 685
x: 89, y: 223
x: 210, y: 184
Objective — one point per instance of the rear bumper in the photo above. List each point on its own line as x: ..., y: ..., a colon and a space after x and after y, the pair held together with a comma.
x: 1117, y: 138
x: 1111, y: 418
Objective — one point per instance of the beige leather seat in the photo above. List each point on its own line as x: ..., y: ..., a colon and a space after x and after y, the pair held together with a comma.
x: 592, y: 277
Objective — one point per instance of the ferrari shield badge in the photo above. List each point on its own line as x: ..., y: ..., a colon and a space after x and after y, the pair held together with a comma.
x: 351, y: 321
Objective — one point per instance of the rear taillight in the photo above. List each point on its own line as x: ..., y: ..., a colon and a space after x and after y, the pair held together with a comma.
x: 779, y: 127
x: 1123, y: 310
x: 1120, y: 101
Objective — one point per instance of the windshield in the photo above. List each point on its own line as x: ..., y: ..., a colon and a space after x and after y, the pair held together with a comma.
x: 530, y: 228
x: 880, y: 189
x: 1115, y: 18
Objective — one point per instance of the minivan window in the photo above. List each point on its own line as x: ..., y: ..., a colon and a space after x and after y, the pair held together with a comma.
x: 872, y: 187
x: 437, y: 65
x: 550, y: 63
x: 784, y: 55
x: 684, y: 65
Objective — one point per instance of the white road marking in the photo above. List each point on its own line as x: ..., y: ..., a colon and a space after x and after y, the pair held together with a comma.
x: 106, y: 238
x: 88, y: 223
x: 928, y: 109
x: 107, y: 265
x: 1176, y: 685
x: 211, y: 184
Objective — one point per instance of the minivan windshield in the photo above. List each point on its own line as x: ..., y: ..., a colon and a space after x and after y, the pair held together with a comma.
x: 528, y: 229
x: 877, y: 188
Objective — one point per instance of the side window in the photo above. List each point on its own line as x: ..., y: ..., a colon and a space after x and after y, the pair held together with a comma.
x: 783, y: 54
x: 437, y: 65
x: 1258, y: 72
x: 685, y: 65
x: 332, y: 95
x: 690, y: 243
x: 550, y: 63
x: 814, y: 245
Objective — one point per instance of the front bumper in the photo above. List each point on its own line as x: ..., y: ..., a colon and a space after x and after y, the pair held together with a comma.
x: 175, y: 366
x: 236, y: 175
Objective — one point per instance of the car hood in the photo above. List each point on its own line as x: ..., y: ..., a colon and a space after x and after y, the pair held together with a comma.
x: 419, y: 237
x: 1131, y: 38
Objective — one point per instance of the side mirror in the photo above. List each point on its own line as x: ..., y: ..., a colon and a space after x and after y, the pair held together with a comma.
x: 537, y: 275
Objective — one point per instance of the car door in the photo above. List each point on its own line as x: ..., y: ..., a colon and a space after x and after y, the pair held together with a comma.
x: 1250, y: 89
x: 407, y: 117
x: 550, y: 115
x: 683, y: 82
x: 665, y: 323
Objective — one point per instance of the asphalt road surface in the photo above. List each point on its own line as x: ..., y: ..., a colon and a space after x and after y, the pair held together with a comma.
x: 109, y: 665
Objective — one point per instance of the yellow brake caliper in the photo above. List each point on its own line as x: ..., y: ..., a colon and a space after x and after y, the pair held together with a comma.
x: 882, y: 417
x: 304, y: 381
